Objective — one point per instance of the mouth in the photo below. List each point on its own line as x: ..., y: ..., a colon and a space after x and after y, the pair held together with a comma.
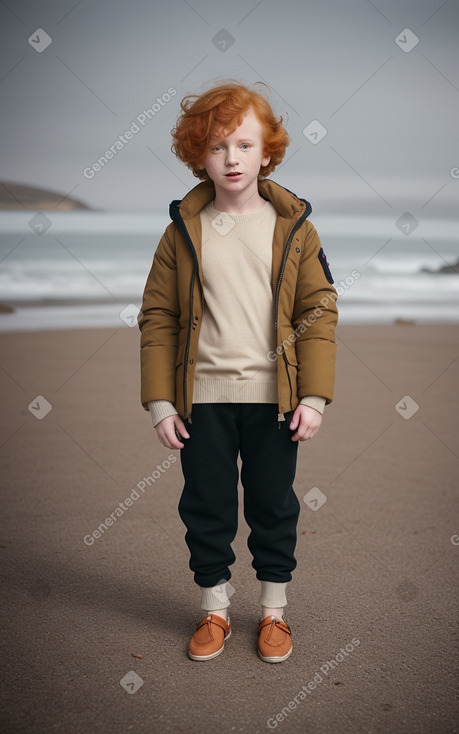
x: 233, y: 174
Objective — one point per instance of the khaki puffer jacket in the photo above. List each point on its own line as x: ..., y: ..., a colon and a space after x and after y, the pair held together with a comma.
x: 304, y: 300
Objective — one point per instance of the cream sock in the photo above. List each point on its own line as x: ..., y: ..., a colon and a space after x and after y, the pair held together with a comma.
x: 214, y: 600
x: 269, y: 612
x: 273, y: 595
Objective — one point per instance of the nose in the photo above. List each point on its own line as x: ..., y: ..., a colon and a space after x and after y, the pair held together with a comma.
x: 231, y: 156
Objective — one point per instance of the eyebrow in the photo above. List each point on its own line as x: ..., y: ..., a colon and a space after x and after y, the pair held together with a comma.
x: 241, y: 140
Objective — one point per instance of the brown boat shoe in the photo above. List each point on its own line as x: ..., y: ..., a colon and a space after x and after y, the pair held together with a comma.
x: 209, y: 639
x: 274, y: 640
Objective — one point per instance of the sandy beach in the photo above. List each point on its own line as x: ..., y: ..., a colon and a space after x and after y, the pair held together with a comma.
x: 97, y: 615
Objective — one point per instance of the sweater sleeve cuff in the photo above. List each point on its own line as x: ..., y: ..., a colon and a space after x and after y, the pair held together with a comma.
x: 314, y: 401
x: 160, y: 409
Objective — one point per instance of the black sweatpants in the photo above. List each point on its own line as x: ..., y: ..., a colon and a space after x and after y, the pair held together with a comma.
x: 208, y: 505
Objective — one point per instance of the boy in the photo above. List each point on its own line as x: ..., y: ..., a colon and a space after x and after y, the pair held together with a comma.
x: 237, y: 353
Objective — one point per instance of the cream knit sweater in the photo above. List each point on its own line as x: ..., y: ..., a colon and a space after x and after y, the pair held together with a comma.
x: 237, y: 328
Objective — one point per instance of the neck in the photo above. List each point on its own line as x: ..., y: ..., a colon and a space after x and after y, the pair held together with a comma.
x: 243, y: 202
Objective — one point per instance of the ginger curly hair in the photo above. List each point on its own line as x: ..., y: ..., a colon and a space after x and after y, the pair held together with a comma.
x: 220, y: 111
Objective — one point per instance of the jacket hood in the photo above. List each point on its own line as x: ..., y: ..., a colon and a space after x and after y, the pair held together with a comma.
x: 287, y: 203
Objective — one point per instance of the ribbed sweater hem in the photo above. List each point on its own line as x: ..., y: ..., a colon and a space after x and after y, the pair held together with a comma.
x: 234, y: 391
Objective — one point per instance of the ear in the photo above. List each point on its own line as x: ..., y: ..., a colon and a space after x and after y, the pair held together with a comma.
x: 265, y: 161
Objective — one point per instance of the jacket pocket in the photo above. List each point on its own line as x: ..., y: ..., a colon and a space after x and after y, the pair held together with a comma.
x: 290, y: 355
x: 180, y: 356
x: 181, y: 348
x: 291, y: 366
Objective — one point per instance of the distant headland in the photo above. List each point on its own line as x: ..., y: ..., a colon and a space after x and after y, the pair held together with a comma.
x: 21, y: 197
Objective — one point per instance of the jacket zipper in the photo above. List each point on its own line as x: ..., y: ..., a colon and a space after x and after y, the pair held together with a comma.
x: 288, y: 243
x: 187, y: 349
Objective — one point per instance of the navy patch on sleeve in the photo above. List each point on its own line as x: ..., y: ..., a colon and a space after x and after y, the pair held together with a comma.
x: 326, y: 267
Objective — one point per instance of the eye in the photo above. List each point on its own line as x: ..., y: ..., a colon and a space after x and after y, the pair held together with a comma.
x: 245, y: 146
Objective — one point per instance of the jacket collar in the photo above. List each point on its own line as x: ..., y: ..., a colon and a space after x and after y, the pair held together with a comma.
x: 288, y: 205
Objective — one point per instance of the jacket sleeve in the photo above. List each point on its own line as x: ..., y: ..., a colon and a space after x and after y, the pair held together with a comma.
x: 314, y: 319
x: 159, y: 325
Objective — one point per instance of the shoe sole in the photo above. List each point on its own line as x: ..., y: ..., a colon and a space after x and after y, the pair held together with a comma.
x: 275, y: 660
x: 200, y: 658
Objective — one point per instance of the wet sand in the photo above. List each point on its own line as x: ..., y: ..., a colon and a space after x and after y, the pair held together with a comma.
x: 373, y: 601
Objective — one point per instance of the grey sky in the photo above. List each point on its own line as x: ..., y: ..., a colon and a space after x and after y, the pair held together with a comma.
x: 392, y: 116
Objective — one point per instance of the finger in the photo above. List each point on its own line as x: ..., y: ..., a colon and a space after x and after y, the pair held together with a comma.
x: 305, y: 434
x: 312, y: 432
x: 165, y: 439
x: 174, y: 442
x: 180, y: 426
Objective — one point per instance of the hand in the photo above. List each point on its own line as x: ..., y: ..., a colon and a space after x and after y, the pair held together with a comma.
x: 307, y: 420
x: 165, y: 431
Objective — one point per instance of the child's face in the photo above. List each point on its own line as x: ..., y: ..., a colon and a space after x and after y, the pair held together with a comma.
x: 240, y: 152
